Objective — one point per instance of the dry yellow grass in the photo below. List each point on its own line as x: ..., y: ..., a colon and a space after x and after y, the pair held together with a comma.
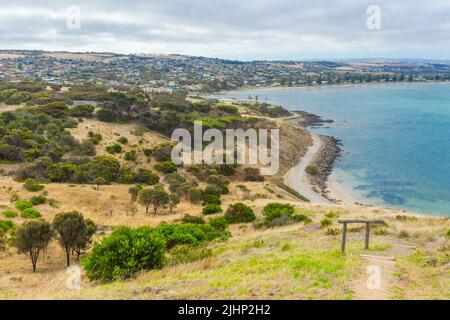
x: 217, y: 277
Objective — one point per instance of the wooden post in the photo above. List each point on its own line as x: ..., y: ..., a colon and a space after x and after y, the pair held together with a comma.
x: 344, y: 235
x: 367, y: 235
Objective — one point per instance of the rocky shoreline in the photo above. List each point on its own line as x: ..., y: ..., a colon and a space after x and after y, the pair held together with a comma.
x: 311, y: 119
x: 330, y: 151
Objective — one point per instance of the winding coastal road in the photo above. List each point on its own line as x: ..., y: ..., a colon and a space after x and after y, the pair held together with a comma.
x: 297, y: 178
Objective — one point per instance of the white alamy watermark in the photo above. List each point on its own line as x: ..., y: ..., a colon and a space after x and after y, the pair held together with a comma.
x: 249, y: 147
x: 373, y: 21
x: 374, y: 279
x: 73, y: 17
x: 73, y: 281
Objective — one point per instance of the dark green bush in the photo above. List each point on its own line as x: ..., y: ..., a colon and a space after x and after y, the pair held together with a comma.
x: 276, y: 210
x: 211, y: 199
x: 37, y: 200
x: 192, y: 219
x: 211, y: 209
x: 166, y: 167
x: 311, y: 170
x: 124, y: 253
x: 189, y: 234
x: 32, y: 185
x: 82, y: 111
x: 122, y: 140
x: 239, y: 213
x: 218, y: 223
x: 114, y: 148
x: 131, y: 155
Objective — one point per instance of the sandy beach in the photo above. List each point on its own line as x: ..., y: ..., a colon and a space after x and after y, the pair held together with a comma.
x: 298, y: 179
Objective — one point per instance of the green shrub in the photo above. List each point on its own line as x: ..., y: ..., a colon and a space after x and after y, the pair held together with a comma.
x: 253, y: 174
x: 189, y: 234
x: 218, y: 223
x: 332, y: 215
x: 211, y: 199
x: 131, y: 155
x: 10, y: 214
x: 301, y: 218
x: 5, y: 226
x: 311, y: 170
x: 115, y: 148
x: 325, y: 222
x: 53, y: 203
x: 32, y: 186
x: 448, y: 233
x: 124, y: 253
x: 30, y: 213
x: 23, y: 204
x: 211, y: 209
x: 192, y: 219
x: 186, y: 254
x: 122, y: 140
x: 239, y: 213
x: 276, y: 210
x: 37, y: 200
x: 166, y: 167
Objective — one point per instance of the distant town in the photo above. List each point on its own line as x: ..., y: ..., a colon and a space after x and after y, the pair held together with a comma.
x: 166, y: 73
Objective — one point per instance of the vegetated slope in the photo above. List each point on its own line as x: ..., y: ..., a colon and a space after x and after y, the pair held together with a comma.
x: 286, y: 258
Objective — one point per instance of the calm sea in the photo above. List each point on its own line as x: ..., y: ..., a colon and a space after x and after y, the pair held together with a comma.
x: 396, y: 139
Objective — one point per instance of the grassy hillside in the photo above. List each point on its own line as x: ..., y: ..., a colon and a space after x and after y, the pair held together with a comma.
x: 52, y: 154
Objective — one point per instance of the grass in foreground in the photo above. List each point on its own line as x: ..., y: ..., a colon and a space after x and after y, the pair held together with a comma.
x: 272, y: 266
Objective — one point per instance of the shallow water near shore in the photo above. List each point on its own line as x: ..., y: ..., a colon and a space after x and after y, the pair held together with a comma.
x: 396, y: 139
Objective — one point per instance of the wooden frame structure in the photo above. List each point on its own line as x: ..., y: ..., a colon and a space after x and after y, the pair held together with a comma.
x: 366, y: 222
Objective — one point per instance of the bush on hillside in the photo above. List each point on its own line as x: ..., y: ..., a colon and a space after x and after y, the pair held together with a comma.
x: 32, y: 185
x: 189, y: 234
x: 192, y: 219
x: 10, y: 214
x: 124, y: 253
x: 30, y: 213
x: 23, y: 204
x: 166, y: 167
x: 37, y: 200
x: 211, y: 209
x: 239, y: 213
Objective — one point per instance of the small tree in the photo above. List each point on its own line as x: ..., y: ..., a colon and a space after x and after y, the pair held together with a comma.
x: 99, y: 181
x: 85, y: 240
x: 173, y: 201
x: 145, y: 198
x: 134, y: 192
x: 160, y: 198
x: 72, y: 230
x: 157, y: 197
x: 32, y: 238
x: 194, y: 195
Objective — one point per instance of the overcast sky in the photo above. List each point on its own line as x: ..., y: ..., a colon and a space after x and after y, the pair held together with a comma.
x: 235, y: 29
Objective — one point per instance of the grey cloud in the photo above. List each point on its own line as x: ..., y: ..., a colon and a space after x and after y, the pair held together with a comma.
x: 245, y: 29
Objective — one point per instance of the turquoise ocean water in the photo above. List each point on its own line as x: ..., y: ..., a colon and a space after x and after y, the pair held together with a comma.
x: 396, y: 139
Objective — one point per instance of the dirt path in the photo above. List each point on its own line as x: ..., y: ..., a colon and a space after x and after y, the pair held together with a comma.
x: 384, y: 265
x: 376, y: 282
x: 9, y: 107
x: 297, y: 178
